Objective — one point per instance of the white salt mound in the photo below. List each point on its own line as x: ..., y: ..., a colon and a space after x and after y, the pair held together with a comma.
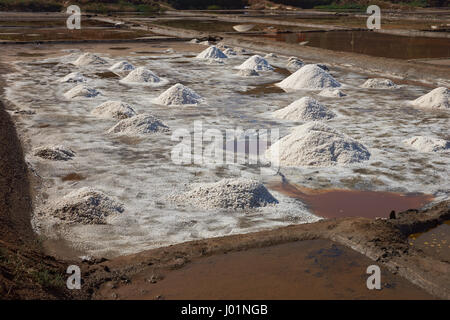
x: 332, y: 93
x: 114, y: 110
x: 88, y: 59
x: 211, y: 53
x: 257, y: 63
x: 206, y: 43
x: 122, y: 67
x: 141, y: 75
x: 230, y: 52
x: 139, y: 125
x: 304, y: 109
x: 379, y: 83
x: 316, y: 144
x: 54, y: 152
x: 73, y: 77
x: 438, y: 98
x: 85, y: 206
x: 194, y: 41
x: 295, y: 64
x: 248, y: 73
x: 428, y: 144
x: 229, y: 194
x: 270, y: 55
x: 178, y: 94
x: 81, y: 91
x: 309, y: 76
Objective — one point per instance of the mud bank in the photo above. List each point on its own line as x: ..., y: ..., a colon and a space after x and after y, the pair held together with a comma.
x: 384, y: 241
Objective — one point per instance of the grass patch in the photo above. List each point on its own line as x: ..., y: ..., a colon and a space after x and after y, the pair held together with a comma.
x: 48, y: 279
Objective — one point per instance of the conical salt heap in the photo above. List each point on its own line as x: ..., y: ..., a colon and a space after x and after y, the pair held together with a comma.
x: 114, y: 110
x: 257, y: 63
x: 309, y: 76
x: 179, y: 94
x: 211, y: 53
x: 316, y: 144
x: 438, y: 98
x: 304, y: 109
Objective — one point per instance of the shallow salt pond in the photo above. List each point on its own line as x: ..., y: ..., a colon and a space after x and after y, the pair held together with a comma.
x: 139, y: 171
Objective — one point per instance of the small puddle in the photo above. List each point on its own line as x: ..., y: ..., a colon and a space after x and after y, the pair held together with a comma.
x: 335, y: 203
x: 119, y: 48
x: 435, y: 242
x: 73, y: 176
x: 107, y: 75
x: 262, y: 89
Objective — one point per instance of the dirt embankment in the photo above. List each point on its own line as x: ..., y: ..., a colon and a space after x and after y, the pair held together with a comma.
x: 381, y: 240
x: 25, y: 271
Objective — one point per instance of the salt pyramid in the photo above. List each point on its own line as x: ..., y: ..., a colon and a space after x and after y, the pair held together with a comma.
x: 85, y: 206
x: 122, y: 67
x: 73, y: 77
x: 438, y: 98
x: 139, y: 125
x: 428, y: 144
x: 88, y: 59
x: 257, y: 63
x: 295, y: 64
x: 211, y: 53
x: 316, y: 144
x: 81, y: 91
x: 230, y: 52
x: 379, y: 83
x: 309, y: 76
x: 54, y: 152
x: 114, y: 110
x: 178, y: 94
x: 141, y: 75
x: 332, y: 93
x: 232, y: 194
x: 304, y: 109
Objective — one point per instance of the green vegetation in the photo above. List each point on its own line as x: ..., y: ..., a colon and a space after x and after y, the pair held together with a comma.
x: 48, y: 279
x: 31, y: 5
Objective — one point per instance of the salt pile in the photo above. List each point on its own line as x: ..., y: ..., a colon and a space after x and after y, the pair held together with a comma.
x: 85, y: 206
x: 229, y: 194
x: 73, y: 77
x: 114, y: 110
x: 230, y: 52
x: 428, y: 144
x: 270, y: 55
x: 211, y: 53
x: 316, y: 144
x: 379, y: 83
x: 438, y: 98
x: 81, y: 90
x: 141, y: 75
x: 89, y: 58
x: 309, y: 77
x: 206, y: 43
x: 295, y: 64
x: 332, y: 93
x: 51, y: 152
x: 194, y: 41
x: 304, y: 109
x: 139, y: 125
x: 257, y: 63
x: 179, y: 94
x: 248, y: 73
x: 122, y: 67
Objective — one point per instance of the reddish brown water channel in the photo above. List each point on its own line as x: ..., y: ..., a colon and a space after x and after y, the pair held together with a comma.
x: 370, y: 43
x: 335, y: 203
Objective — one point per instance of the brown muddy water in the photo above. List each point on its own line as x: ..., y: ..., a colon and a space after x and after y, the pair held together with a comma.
x: 369, y: 43
x: 336, y: 203
x: 311, y: 269
x: 435, y: 242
